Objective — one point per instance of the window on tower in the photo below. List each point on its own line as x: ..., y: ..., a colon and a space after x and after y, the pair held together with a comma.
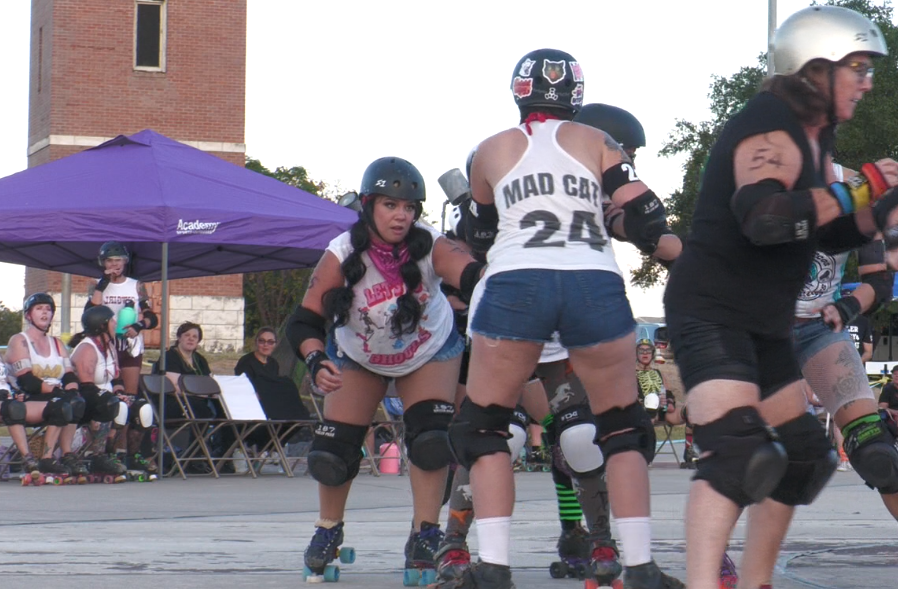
x: 149, y: 35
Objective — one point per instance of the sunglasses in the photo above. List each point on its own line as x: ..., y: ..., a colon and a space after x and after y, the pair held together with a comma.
x: 644, y: 351
x: 862, y: 69
x: 267, y: 342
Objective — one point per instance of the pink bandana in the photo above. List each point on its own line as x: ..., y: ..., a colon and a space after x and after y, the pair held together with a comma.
x: 388, y: 264
x: 536, y: 117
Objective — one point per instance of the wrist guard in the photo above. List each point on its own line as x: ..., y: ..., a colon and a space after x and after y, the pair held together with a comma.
x: 102, y: 284
x: 849, y: 308
x: 138, y: 327
x: 313, y: 362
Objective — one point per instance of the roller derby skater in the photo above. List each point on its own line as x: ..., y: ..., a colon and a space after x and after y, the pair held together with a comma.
x: 362, y: 323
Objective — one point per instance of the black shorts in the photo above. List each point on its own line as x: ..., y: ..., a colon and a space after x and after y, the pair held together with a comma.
x: 709, y: 351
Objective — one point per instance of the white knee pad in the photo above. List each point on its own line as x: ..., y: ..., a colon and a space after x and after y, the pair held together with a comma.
x: 121, y: 418
x: 580, y: 452
x: 517, y: 440
x: 145, y: 415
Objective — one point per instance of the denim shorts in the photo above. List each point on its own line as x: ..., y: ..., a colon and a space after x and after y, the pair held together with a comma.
x: 809, y: 338
x: 586, y: 307
x: 452, y: 348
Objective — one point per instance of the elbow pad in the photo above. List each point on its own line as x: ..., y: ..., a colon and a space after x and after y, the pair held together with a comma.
x: 770, y: 215
x: 645, y: 221
x: 148, y: 314
x: 481, y: 226
x: 304, y: 324
x: 30, y: 384
x: 882, y: 286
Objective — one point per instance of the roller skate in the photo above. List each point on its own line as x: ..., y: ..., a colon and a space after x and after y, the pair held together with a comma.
x: 420, y: 555
x: 105, y: 468
x: 604, y: 564
x: 573, y: 550
x: 689, y: 456
x: 49, y: 472
x: 481, y: 575
x: 538, y: 460
x: 728, y: 576
x: 322, y: 550
x: 649, y: 576
x: 452, y: 557
x: 76, y: 467
x: 29, y: 464
x: 140, y: 469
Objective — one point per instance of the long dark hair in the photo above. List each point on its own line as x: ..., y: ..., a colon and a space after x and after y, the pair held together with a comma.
x: 338, y: 301
x: 804, y: 92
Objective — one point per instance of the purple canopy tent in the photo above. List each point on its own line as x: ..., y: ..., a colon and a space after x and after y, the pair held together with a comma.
x: 182, y: 213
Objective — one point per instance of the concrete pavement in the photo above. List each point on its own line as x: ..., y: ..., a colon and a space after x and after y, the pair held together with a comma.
x: 238, y: 532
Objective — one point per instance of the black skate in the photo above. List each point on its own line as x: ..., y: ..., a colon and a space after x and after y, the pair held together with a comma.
x: 482, y: 575
x: 649, y: 576
x: 574, y: 552
x: 452, y: 557
x: 140, y: 469
x: 420, y: 553
x: 76, y: 467
x: 689, y: 457
x: 322, y: 550
x: 30, y: 464
x: 604, y: 563
x: 107, y: 464
x: 538, y: 460
x: 52, y: 466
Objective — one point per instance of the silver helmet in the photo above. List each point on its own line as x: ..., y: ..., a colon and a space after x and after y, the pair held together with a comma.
x: 823, y: 32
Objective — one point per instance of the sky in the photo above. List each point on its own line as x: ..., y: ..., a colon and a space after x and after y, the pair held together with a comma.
x: 332, y: 86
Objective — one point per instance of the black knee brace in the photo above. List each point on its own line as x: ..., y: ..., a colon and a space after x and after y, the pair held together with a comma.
x: 479, y: 431
x: 426, y: 433
x: 58, y: 412
x: 79, y: 406
x: 746, y: 460
x: 812, y: 461
x: 336, y: 452
x: 613, y: 439
x: 873, y: 451
x: 13, y: 412
x: 102, y: 407
x: 520, y: 418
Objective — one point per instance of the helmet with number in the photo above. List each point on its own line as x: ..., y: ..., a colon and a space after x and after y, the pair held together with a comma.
x: 38, y: 298
x: 548, y: 77
x: 96, y: 319
x: 620, y: 124
x: 112, y: 249
x: 823, y: 32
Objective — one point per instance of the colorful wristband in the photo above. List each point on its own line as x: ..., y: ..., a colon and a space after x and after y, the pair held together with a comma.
x: 843, y: 196
x: 878, y: 184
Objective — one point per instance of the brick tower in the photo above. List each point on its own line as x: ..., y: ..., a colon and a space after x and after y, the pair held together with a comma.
x: 101, y: 69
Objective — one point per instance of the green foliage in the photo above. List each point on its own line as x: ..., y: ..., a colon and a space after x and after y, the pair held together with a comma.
x: 871, y: 135
x: 271, y: 296
x: 10, y: 323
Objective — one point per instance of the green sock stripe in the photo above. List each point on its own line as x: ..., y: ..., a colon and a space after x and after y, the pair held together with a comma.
x: 548, y: 420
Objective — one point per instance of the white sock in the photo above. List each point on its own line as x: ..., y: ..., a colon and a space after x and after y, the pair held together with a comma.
x: 636, y: 539
x: 493, y: 534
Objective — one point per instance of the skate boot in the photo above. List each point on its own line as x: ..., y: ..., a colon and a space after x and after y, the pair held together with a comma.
x: 139, y: 468
x: 605, y: 563
x: 52, y: 466
x: 106, y: 464
x: 538, y: 460
x: 30, y: 464
x: 728, y: 576
x: 322, y: 550
x: 573, y: 550
x: 75, y: 466
x: 689, y: 457
x: 452, y: 557
x: 482, y: 575
x: 649, y: 576
x: 420, y: 553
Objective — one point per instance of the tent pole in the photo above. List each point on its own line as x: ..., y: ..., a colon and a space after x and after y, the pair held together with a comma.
x: 65, y: 306
x: 163, y: 347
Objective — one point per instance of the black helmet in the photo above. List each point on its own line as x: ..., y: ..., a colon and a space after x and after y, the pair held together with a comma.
x: 617, y: 122
x: 548, y: 77
x: 393, y: 177
x: 38, y: 298
x: 112, y: 249
x: 469, y: 162
x: 96, y: 319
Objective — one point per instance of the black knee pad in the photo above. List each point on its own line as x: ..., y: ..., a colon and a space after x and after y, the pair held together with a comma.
x: 520, y: 418
x: 812, y: 461
x: 58, y: 412
x: 612, y: 439
x: 13, y: 412
x: 79, y: 406
x: 479, y: 431
x: 105, y: 407
x: 426, y: 433
x: 873, y: 452
x: 336, y: 452
x: 746, y: 460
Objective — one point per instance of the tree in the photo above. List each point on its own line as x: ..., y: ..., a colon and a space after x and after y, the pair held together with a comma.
x: 871, y: 135
x: 10, y: 323
x: 271, y: 296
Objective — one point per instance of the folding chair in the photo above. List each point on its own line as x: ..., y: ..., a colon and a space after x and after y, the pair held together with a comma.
x: 151, y: 388
x: 668, y: 432
x: 11, y: 456
x: 287, y: 417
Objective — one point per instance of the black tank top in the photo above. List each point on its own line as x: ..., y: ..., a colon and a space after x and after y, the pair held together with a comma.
x: 721, y: 277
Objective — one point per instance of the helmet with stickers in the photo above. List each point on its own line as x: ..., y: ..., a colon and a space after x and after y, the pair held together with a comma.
x: 38, y: 298
x: 96, y: 319
x: 112, y: 249
x: 823, y: 32
x: 620, y: 124
x: 548, y: 77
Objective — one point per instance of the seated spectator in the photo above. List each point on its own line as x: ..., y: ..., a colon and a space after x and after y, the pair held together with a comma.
x: 260, y: 361
x: 888, y: 399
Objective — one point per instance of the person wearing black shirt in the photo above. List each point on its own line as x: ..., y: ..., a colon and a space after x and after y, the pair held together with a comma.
x: 888, y: 399
x: 764, y: 208
x: 260, y: 362
x: 861, y: 331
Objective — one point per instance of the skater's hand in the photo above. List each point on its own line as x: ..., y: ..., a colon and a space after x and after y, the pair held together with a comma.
x: 329, y: 378
x: 830, y: 315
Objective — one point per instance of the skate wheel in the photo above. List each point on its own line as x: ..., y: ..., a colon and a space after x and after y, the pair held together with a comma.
x: 411, y: 577
x: 590, y: 584
x: 529, y: 468
x: 428, y: 576
x: 558, y: 570
x: 581, y: 572
x: 346, y: 555
x: 56, y: 481
x: 26, y: 480
x: 331, y: 573
x: 547, y: 469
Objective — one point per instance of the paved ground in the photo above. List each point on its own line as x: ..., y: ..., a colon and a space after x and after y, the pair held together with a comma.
x: 239, y: 532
